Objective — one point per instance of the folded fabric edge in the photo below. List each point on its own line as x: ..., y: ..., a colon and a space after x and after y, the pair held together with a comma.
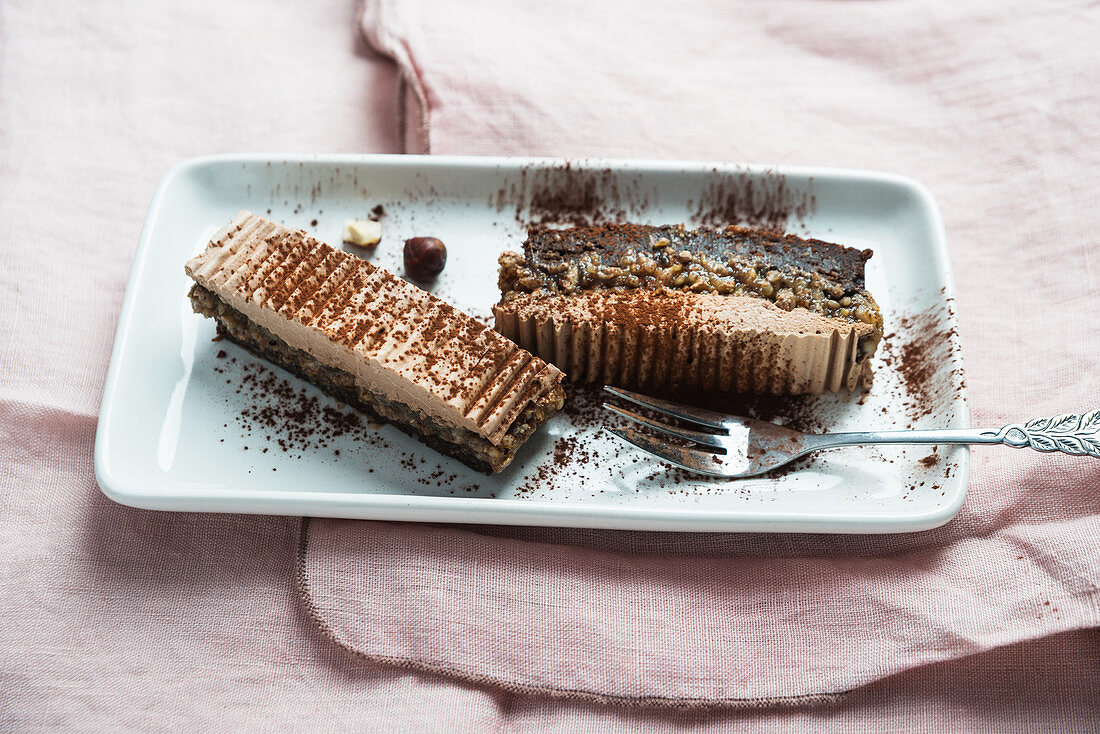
x: 448, y: 671
x: 410, y: 90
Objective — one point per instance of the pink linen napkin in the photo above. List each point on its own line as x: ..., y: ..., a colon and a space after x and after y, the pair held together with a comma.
x: 992, y: 106
x: 119, y: 619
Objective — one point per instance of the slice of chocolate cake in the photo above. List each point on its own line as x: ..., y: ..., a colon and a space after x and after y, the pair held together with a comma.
x: 670, y: 309
x: 374, y: 341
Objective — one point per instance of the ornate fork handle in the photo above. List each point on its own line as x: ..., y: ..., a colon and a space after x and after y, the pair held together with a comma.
x: 1070, y: 433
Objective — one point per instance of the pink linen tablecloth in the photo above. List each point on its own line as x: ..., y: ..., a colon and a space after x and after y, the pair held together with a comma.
x: 118, y: 618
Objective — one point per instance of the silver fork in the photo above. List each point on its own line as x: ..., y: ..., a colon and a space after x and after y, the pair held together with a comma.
x: 733, y: 447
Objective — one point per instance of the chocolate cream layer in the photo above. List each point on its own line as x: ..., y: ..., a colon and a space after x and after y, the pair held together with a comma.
x: 393, y: 338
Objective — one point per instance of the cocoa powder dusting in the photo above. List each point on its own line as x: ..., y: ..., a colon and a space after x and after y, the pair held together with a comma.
x: 570, y: 195
x: 572, y: 455
x: 575, y: 196
x: 766, y: 202
x: 920, y: 351
x: 288, y: 418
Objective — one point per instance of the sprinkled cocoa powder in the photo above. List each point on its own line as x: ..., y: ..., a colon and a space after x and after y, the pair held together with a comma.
x: 762, y: 202
x: 565, y: 469
x: 919, y: 350
x: 287, y: 417
x: 567, y: 195
x: 929, y: 461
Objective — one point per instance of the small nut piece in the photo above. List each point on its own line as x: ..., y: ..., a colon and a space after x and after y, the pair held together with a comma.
x: 362, y: 232
x: 424, y: 257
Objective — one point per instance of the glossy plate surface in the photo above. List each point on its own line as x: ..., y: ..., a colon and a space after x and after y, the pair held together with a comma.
x: 182, y: 428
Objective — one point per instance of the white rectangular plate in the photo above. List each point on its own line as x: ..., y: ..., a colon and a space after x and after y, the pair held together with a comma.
x: 179, y: 427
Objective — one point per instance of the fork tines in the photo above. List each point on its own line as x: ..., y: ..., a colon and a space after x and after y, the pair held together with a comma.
x: 685, y: 457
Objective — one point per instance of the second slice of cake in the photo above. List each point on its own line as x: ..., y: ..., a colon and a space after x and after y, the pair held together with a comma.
x: 669, y: 309
x: 373, y: 340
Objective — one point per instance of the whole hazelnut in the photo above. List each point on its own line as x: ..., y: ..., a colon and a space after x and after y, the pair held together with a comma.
x: 424, y: 257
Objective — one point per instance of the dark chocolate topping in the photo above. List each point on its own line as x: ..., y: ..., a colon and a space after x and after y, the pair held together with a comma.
x: 841, y: 265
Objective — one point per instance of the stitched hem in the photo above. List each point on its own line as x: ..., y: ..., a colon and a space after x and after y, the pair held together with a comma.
x: 570, y: 694
x: 377, y: 35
